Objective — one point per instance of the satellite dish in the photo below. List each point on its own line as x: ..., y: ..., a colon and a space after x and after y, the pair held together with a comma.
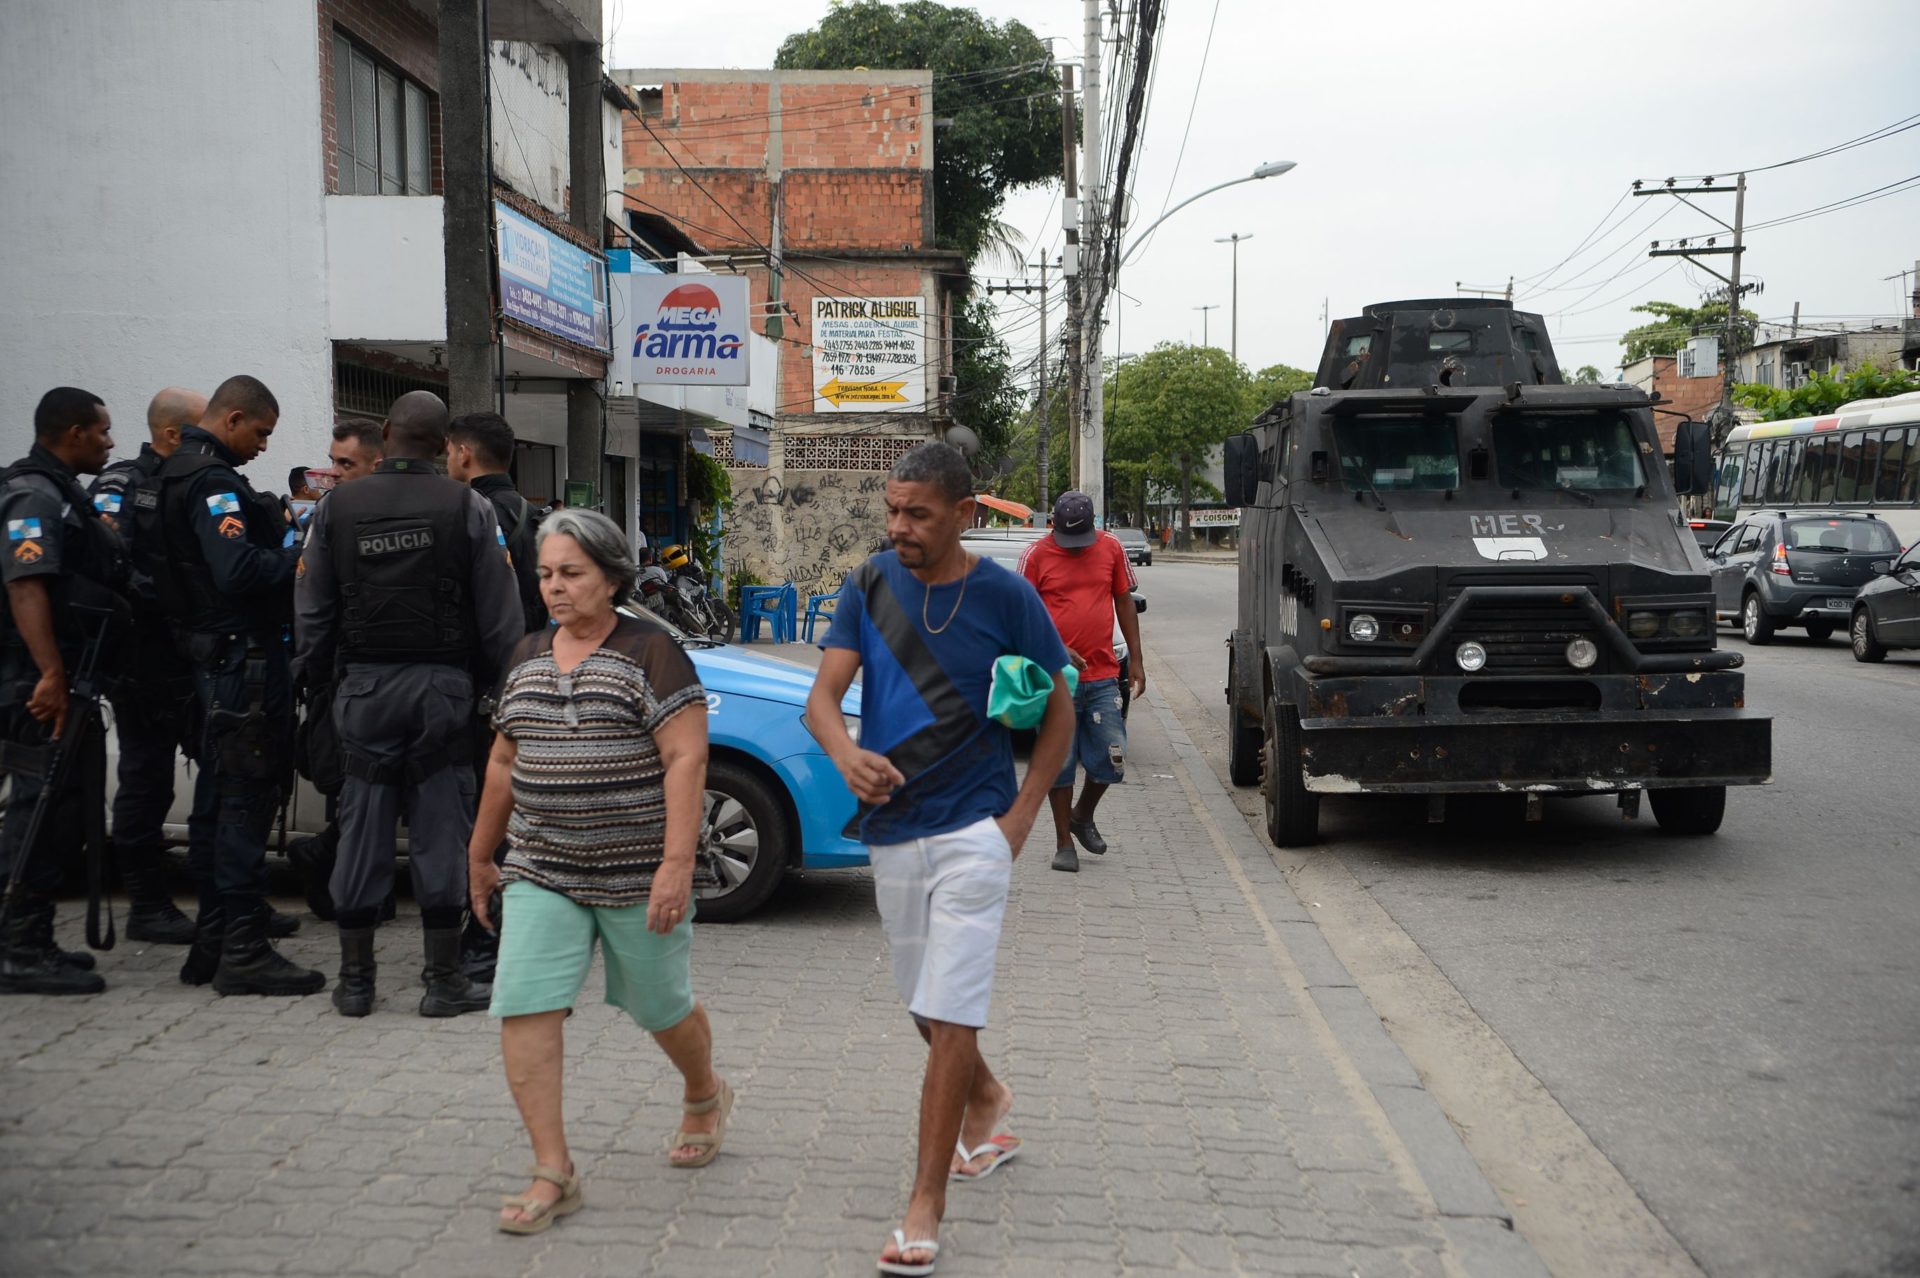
x: 1006, y: 466
x: 963, y: 439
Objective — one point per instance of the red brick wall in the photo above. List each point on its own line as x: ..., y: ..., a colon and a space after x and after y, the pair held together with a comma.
x: 1694, y: 396
x: 394, y: 32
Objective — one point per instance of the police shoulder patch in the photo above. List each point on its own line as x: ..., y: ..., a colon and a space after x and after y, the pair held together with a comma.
x: 223, y: 504
x: 22, y: 529
x: 28, y: 552
x: 233, y: 528
x: 107, y: 503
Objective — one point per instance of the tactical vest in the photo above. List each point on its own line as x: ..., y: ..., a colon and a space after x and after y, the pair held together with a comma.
x: 93, y: 558
x: 401, y: 560
x: 116, y: 496
x: 166, y: 549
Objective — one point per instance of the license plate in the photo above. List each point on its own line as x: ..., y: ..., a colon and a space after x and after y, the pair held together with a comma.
x: 1839, y: 604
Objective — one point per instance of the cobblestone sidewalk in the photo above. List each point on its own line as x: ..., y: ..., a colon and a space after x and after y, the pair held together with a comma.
x: 1183, y: 1104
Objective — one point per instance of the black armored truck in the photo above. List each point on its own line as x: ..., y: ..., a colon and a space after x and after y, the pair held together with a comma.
x: 1460, y: 575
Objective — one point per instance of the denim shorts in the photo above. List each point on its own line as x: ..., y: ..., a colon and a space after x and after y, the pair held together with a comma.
x: 1099, y: 736
x: 546, y: 947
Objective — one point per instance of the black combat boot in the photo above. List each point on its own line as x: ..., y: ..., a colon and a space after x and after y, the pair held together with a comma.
x: 203, y: 960
x: 280, y: 926
x: 248, y: 962
x: 29, y: 963
x: 353, y: 992
x: 42, y: 941
x: 449, y: 992
x: 151, y: 913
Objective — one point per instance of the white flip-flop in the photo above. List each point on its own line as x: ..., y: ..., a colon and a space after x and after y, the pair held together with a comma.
x: 901, y: 1247
x: 1001, y: 1154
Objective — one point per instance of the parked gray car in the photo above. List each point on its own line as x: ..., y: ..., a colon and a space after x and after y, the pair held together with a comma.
x: 1887, y: 613
x: 1798, y: 568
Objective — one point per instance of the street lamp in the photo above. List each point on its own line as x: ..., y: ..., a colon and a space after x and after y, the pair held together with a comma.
x: 1272, y: 169
x: 1234, y: 240
x: 1204, y: 317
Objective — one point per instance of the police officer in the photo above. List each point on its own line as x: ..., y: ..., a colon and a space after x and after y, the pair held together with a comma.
x: 62, y: 568
x: 479, y: 449
x: 405, y: 587
x: 222, y: 559
x: 153, y: 698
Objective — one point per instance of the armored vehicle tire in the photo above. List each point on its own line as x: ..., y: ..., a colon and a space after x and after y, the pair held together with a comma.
x: 743, y: 839
x: 1819, y: 631
x: 1243, y: 739
x: 1293, y: 812
x: 1865, y: 646
x: 1695, y: 810
x: 1755, y: 624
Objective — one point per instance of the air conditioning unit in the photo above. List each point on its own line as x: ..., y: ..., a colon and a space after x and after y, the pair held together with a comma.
x: 949, y: 384
x: 1796, y: 374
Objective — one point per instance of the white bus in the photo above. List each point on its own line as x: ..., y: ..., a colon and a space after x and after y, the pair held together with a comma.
x: 1864, y: 457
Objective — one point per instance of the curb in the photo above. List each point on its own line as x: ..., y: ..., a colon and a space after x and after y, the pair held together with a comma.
x: 1472, y: 1215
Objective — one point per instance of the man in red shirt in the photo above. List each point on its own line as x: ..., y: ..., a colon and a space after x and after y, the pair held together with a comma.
x: 1085, y: 581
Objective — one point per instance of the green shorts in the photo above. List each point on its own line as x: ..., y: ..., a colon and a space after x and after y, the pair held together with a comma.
x: 546, y: 947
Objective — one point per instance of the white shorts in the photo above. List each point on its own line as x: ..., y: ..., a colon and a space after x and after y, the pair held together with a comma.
x: 941, y: 902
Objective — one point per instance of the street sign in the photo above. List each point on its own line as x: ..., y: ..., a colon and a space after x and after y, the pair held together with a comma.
x: 550, y: 283
x: 869, y: 354
x: 686, y: 330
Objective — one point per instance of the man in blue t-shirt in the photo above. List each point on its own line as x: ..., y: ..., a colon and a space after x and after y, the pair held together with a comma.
x: 922, y: 625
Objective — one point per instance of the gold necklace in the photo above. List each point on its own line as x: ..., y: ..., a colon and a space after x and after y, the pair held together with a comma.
x: 927, y: 598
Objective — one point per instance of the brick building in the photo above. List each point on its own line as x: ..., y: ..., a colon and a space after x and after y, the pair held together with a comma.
x: 818, y: 186
x: 1695, y: 396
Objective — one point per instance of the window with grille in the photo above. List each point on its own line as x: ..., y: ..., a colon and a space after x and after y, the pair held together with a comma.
x: 381, y: 126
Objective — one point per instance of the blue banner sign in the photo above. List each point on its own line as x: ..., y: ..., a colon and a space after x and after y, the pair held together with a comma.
x: 550, y: 283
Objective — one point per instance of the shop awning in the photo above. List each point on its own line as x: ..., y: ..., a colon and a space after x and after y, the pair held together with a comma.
x: 1022, y: 513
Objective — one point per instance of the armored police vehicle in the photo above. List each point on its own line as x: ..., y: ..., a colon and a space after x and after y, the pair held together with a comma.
x: 1460, y: 575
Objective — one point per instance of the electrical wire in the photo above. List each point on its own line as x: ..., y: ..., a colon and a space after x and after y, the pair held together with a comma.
x: 992, y: 75
x: 1876, y: 135
x: 1192, y: 105
x: 1900, y: 187
x: 1590, y: 236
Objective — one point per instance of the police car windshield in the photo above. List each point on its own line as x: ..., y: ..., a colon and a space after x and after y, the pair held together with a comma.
x: 1585, y: 452
x: 1385, y: 453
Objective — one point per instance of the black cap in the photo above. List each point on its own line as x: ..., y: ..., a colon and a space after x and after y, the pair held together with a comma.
x: 1073, y: 520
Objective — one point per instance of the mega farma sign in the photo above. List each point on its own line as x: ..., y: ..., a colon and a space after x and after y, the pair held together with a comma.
x: 688, y: 329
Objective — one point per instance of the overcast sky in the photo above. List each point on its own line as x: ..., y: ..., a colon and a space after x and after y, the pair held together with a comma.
x: 1466, y: 142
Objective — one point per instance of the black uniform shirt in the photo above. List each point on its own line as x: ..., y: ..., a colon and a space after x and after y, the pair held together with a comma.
x: 516, y: 521
x: 40, y: 519
x: 240, y: 537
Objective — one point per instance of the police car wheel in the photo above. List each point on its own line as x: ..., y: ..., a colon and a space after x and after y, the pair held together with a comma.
x: 743, y: 841
x: 1293, y: 811
x: 1693, y: 810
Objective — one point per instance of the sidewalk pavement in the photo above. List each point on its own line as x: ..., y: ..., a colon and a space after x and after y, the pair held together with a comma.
x: 1190, y: 1101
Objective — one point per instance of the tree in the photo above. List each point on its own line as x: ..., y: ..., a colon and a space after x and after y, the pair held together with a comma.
x: 986, y: 400
x: 1673, y: 324
x: 1272, y: 384
x: 1585, y: 375
x: 1823, y: 393
x: 994, y: 82
x: 1174, y: 405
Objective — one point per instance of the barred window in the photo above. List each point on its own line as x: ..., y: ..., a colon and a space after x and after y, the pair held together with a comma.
x: 381, y: 125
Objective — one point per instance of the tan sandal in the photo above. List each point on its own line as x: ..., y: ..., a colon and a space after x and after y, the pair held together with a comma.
x: 708, y: 1143
x: 540, y: 1213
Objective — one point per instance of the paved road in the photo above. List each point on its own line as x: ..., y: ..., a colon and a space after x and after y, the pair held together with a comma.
x: 1186, y: 1106
x: 1735, y: 1021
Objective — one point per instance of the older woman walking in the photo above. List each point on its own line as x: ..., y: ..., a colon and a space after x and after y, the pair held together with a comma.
x: 597, y: 780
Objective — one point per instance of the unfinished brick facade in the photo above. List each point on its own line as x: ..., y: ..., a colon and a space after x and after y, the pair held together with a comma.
x: 395, y: 33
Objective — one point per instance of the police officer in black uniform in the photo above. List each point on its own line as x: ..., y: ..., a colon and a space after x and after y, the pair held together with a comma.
x: 62, y: 570
x: 479, y: 449
x: 153, y: 698
x: 405, y: 587
x: 222, y: 559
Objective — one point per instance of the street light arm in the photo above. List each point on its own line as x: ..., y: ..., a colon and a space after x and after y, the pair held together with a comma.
x: 1264, y: 171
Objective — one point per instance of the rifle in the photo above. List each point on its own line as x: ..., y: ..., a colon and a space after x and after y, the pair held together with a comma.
x: 59, y: 757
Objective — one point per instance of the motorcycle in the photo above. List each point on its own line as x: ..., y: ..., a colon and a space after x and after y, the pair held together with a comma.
x: 675, y: 587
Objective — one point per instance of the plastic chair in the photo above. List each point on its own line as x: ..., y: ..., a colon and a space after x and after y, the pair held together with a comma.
x: 819, y: 606
x: 776, y: 605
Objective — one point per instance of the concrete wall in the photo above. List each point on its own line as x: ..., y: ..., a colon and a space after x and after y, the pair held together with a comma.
x: 163, y: 225
x: 386, y: 268
x: 811, y: 527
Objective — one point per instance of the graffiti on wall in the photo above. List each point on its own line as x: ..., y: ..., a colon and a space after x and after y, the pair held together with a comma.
x: 810, y: 527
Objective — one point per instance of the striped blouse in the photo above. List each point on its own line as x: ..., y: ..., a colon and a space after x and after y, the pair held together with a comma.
x: 589, y: 799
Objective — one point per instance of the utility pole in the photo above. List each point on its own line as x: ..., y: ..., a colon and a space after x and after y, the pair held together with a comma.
x: 1234, y: 240
x: 1045, y: 434
x: 467, y: 212
x: 1091, y: 475
x: 1070, y: 269
x: 1723, y: 415
x: 1204, y: 339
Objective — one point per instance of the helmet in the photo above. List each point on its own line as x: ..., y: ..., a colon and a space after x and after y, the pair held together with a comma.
x: 674, y: 557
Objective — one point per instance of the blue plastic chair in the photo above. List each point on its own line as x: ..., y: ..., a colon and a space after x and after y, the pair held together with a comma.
x: 819, y: 606
x: 776, y: 605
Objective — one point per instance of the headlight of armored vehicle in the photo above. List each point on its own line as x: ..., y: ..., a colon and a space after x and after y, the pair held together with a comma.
x: 1643, y: 625
x: 1687, y: 625
x: 1362, y: 627
x: 1581, y: 654
x: 1470, y: 656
